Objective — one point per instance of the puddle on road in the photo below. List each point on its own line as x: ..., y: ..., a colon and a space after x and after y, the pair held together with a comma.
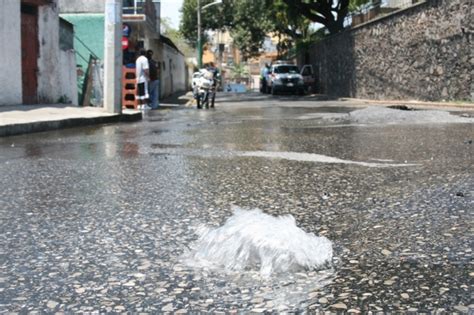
x: 292, y: 156
x: 387, y: 115
x: 312, y: 157
x: 383, y: 115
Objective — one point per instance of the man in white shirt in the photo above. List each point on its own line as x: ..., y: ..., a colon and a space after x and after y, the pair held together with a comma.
x: 142, y: 74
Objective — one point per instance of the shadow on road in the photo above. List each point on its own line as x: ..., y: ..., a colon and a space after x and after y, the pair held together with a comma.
x: 224, y: 97
x: 178, y: 98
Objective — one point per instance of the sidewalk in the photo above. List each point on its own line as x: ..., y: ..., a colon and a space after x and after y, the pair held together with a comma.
x: 21, y: 119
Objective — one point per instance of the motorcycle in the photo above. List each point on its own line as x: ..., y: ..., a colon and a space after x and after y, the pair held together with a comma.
x: 205, y: 89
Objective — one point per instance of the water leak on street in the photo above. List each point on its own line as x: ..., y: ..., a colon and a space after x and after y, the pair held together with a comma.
x: 102, y: 218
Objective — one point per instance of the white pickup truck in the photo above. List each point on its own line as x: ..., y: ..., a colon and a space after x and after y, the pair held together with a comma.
x: 285, y: 76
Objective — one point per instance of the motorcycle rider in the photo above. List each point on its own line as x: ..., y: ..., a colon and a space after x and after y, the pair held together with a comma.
x: 215, y: 71
x: 208, y: 82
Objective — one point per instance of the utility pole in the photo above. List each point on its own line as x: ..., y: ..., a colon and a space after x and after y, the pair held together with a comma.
x: 199, y: 41
x: 113, y: 57
x: 199, y: 44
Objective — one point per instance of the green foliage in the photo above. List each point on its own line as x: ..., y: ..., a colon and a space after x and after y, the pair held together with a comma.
x: 177, y: 37
x: 358, y: 5
x: 212, y: 18
x: 239, y: 71
x: 246, y: 20
x: 250, y: 21
x: 330, y: 13
x: 249, y: 26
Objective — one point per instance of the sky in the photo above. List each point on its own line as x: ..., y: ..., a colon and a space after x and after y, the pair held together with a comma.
x: 170, y: 9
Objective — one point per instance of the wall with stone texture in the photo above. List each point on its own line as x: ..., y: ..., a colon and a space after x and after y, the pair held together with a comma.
x: 425, y: 52
x: 10, y: 54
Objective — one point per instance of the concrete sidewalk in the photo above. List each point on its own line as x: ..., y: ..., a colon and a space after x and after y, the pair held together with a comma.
x: 21, y: 119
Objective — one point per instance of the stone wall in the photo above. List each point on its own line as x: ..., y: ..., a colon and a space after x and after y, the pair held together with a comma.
x: 424, y: 52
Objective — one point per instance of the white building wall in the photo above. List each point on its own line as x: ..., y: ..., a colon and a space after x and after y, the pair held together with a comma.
x: 10, y: 53
x: 82, y: 6
x: 173, y: 77
x: 68, y: 76
x: 49, y: 82
x: 57, y: 79
x: 179, y: 73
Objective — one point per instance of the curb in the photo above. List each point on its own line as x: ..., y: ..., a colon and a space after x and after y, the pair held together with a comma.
x: 18, y: 129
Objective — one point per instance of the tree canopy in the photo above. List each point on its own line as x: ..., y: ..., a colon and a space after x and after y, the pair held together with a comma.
x: 176, y: 37
x: 330, y: 13
x: 249, y: 21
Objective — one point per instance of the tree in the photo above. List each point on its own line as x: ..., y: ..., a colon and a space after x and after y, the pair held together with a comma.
x: 249, y: 26
x: 238, y: 72
x: 359, y: 5
x: 289, y: 25
x: 213, y: 18
x: 246, y: 20
x: 330, y: 13
x: 176, y: 37
x: 250, y: 21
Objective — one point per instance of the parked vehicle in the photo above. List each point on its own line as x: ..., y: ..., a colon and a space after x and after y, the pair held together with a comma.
x: 285, y: 78
x: 204, y: 89
x: 307, y: 73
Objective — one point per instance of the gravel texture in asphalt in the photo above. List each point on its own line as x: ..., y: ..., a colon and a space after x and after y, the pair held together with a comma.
x: 100, y: 219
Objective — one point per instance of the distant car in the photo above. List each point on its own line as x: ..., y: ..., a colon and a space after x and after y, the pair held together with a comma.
x: 285, y: 78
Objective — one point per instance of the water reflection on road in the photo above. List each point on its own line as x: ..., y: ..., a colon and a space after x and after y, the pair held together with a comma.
x: 96, y: 219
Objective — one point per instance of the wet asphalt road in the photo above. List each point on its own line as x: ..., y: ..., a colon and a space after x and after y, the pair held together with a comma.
x: 97, y: 219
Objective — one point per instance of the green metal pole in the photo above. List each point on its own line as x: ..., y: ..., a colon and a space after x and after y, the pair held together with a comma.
x: 199, y: 41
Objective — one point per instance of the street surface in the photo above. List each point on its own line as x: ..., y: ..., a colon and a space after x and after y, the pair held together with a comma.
x: 98, y: 219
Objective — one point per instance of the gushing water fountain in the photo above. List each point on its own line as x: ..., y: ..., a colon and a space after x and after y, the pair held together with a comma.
x: 253, y: 240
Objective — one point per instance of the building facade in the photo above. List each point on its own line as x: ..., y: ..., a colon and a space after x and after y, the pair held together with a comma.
x: 36, y: 70
x: 142, y: 20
